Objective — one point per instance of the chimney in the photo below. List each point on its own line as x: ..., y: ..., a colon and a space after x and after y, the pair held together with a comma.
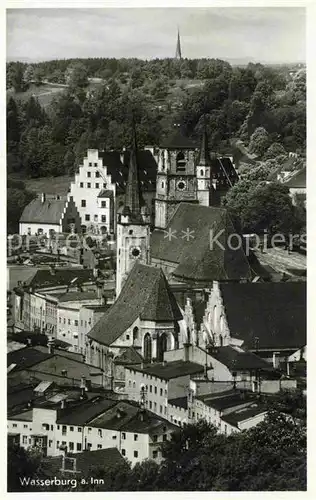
x: 63, y: 404
x: 142, y: 415
x: 43, y: 197
x: 51, y: 345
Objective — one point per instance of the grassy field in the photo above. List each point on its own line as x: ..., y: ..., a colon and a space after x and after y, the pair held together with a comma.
x: 49, y: 185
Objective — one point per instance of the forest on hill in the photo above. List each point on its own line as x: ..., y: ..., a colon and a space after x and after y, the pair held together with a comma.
x: 263, y: 108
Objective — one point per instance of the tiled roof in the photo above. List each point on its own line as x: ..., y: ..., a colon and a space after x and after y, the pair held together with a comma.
x: 127, y: 416
x: 273, y: 312
x: 84, y: 413
x: 86, y: 461
x: 146, y: 294
x: 128, y: 357
x: 298, y: 180
x: 170, y: 370
x: 235, y: 417
x: 225, y: 401
x: 44, y: 277
x: 119, y: 170
x: 49, y: 212
x: 197, y: 262
x: 237, y: 360
x: 26, y: 357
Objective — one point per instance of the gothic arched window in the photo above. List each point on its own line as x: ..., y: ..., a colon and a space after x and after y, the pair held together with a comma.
x: 180, y: 161
x: 147, y: 348
x: 135, y: 333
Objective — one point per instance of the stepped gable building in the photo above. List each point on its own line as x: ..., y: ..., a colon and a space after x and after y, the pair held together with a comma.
x: 266, y: 318
x: 187, y: 256
x: 187, y: 172
x: 99, y: 186
x: 47, y: 215
x: 133, y: 224
x: 145, y: 316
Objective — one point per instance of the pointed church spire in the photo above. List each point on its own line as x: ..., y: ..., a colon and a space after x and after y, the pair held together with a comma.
x: 133, y: 197
x: 178, y: 48
x: 204, y: 157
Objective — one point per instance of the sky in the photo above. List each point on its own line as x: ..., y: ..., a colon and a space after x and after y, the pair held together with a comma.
x: 239, y: 34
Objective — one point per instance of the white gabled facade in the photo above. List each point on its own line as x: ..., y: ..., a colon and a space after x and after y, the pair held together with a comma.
x: 96, y: 213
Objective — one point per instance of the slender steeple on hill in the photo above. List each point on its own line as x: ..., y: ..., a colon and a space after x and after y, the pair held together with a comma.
x: 178, y: 48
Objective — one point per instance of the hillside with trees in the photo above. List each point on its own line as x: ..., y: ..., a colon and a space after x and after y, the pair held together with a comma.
x: 257, y: 109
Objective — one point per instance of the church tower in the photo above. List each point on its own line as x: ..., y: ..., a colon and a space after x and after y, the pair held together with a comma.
x: 133, y: 225
x: 205, y: 187
x: 176, y: 178
x: 178, y: 47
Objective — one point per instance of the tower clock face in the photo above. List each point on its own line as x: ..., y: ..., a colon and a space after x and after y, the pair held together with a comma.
x: 135, y: 252
x: 181, y: 185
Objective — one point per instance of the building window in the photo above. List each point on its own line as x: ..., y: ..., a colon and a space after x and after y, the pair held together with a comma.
x: 135, y: 437
x: 201, y: 172
x: 58, y: 427
x: 123, y: 435
x: 155, y: 438
x: 87, y: 217
x: 81, y: 184
x: 88, y: 174
x: 71, y: 446
x: 103, y: 204
x: 162, y: 185
x: 24, y: 440
x: 164, y: 437
x: 79, y: 448
x: 83, y: 203
x: 64, y: 430
x: 127, y: 336
x: 97, y: 185
x: 150, y: 388
x: 71, y: 429
x: 135, y: 453
x: 69, y: 322
x: 89, y: 430
x: 97, y: 174
x: 104, y: 185
x: 64, y: 443
x: 95, y: 164
x: 25, y: 426
x: 100, y: 433
x: 64, y: 321
x: 14, y: 425
x: 89, y: 446
x: 155, y: 454
x: 123, y: 452
x: 155, y: 406
x: 150, y: 405
x: 114, y: 436
x: 160, y: 408
x: 51, y: 427
x: 180, y: 162
x: 95, y: 218
x: 99, y: 446
x: 161, y: 392
x: 76, y: 322
x: 155, y: 389
x: 57, y: 444
x: 90, y: 165
x: 88, y: 185
x: 103, y: 218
